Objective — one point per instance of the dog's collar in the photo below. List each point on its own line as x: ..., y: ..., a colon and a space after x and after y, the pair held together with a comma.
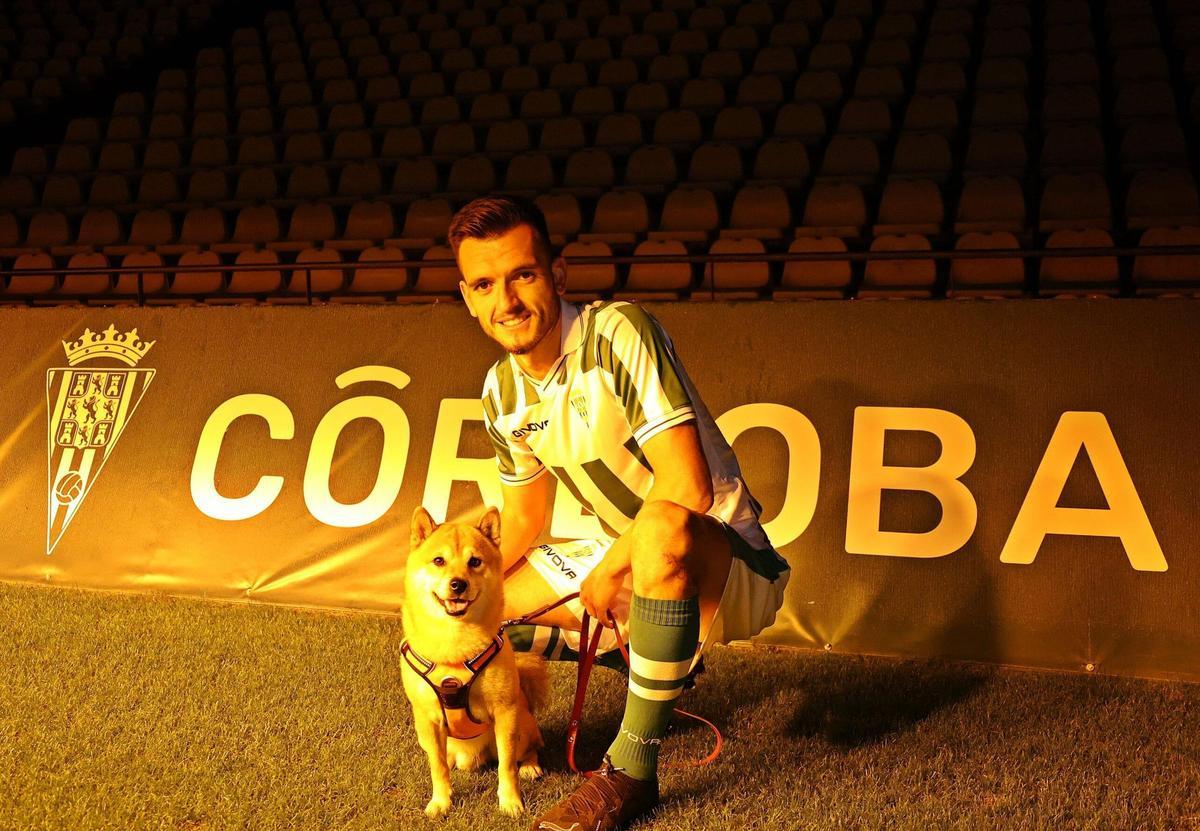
x: 454, y: 688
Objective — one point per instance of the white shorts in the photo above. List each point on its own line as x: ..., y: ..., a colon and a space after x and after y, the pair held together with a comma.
x: 753, y: 591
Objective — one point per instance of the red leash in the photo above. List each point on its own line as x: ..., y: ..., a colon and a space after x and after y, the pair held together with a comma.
x: 587, y: 658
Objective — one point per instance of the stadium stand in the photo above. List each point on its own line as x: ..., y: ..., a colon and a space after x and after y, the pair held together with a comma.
x: 340, y: 132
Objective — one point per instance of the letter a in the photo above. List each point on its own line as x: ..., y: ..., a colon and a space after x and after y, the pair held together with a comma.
x: 1124, y: 517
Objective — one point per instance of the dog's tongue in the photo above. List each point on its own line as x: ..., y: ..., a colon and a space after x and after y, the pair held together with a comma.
x: 456, y: 606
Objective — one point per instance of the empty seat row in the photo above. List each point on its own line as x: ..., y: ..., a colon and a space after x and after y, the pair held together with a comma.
x: 817, y: 270
x: 765, y: 211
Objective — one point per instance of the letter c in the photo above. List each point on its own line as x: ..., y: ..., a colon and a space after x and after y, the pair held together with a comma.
x: 204, y: 469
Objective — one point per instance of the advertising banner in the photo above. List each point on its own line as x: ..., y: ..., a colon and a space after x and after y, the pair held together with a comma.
x: 1000, y: 481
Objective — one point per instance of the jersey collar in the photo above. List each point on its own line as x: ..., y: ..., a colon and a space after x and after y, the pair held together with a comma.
x: 570, y: 337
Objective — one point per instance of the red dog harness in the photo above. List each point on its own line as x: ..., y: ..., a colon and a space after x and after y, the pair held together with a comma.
x: 454, y: 688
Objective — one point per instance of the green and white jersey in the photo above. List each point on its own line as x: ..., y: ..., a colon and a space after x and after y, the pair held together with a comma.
x: 617, y: 384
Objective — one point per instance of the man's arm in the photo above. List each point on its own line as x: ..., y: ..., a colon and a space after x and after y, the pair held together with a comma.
x: 522, y: 518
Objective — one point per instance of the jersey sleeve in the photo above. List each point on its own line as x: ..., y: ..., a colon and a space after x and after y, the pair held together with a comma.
x: 646, y: 374
x: 515, y: 462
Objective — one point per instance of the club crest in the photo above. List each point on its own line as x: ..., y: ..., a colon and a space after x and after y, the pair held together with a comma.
x: 88, y: 408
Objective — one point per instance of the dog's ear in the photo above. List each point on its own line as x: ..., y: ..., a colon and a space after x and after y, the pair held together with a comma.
x: 489, y: 526
x: 422, y: 526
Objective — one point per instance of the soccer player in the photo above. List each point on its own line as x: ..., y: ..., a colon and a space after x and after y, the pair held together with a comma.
x: 596, y: 396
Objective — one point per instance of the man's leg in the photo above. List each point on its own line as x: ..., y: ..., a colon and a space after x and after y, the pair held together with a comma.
x: 680, y: 562
x: 526, y: 591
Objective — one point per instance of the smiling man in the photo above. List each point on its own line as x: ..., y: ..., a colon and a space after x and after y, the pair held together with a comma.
x: 596, y: 396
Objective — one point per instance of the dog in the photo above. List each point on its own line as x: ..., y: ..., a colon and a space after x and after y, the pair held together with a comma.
x: 472, y: 697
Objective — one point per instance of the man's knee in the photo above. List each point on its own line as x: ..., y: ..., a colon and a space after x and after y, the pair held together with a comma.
x: 664, y: 542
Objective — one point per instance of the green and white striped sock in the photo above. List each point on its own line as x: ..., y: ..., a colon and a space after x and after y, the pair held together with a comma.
x: 663, y: 635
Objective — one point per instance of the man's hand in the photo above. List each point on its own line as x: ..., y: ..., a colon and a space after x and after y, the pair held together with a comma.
x: 599, y: 591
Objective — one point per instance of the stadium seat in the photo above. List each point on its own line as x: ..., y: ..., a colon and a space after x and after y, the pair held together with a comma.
x: 1079, y: 275
x: 734, y: 280
x: 311, y: 223
x: 191, y: 279
x: 257, y: 282
x: 1162, y: 198
x: 621, y: 216
x: 1000, y: 277
x: 86, y: 285
x: 996, y: 153
x: 922, y: 156
x: 1078, y: 147
x: 852, y: 159
x: 910, y: 207
x: 588, y: 280
x: 47, y: 230
x: 1150, y: 145
x: 425, y: 223
x: 814, y: 278
x: 32, y: 275
x: 689, y: 214
x: 320, y: 281
x: 781, y: 161
x: 1154, y: 274
x: 563, y: 217
x: 759, y: 212
x: 378, y: 282
x: 991, y: 203
x: 867, y: 118
x: 650, y: 168
x: 658, y: 281
x: 931, y: 114
x: 898, y: 278
x: 369, y: 222
x: 804, y: 121
x: 834, y: 210
x: 588, y: 172
x: 1075, y: 201
x: 255, y: 225
x: 435, y: 282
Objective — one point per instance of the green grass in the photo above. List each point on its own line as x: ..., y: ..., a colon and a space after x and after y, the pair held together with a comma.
x: 149, y: 712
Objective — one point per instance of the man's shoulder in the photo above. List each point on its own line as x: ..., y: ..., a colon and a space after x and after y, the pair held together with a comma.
x: 499, y: 383
x: 607, y: 315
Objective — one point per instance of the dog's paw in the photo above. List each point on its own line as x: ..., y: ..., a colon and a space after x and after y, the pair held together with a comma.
x: 512, y: 805
x: 530, y: 770
x: 437, y: 808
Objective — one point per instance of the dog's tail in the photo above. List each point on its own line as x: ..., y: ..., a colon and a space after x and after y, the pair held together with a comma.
x: 531, y: 669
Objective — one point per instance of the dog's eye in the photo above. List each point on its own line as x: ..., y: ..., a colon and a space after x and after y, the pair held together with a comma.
x: 474, y: 562
x: 439, y: 561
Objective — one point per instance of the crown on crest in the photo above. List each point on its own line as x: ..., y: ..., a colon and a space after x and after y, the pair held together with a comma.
x: 125, y: 347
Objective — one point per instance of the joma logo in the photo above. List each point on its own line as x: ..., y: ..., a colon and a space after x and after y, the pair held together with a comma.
x: 531, y: 427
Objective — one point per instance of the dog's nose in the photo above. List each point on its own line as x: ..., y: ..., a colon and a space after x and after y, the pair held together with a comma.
x: 458, y: 585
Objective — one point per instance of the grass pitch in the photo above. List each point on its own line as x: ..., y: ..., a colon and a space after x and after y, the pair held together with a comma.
x: 138, y: 712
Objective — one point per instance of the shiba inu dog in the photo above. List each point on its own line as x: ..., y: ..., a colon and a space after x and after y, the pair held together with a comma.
x: 472, y: 697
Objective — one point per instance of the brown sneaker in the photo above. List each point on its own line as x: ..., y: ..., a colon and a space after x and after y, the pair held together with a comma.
x: 606, y: 801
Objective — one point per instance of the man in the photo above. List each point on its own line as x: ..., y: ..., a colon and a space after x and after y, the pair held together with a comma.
x: 597, y: 396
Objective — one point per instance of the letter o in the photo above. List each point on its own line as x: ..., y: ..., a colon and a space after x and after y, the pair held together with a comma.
x: 320, y: 501
x: 804, y: 463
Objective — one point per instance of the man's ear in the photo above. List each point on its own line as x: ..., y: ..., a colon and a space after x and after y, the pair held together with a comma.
x: 489, y: 526
x: 558, y: 269
x: 422, y: 526
x: 462, y: 289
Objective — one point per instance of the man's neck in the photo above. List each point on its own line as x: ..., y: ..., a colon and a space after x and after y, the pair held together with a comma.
x: 537, y: 362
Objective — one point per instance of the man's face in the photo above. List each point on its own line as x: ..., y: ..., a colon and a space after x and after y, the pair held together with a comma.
x: 511, y: 288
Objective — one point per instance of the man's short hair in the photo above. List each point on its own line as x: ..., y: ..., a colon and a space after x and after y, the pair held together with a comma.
x: 491, y: 216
